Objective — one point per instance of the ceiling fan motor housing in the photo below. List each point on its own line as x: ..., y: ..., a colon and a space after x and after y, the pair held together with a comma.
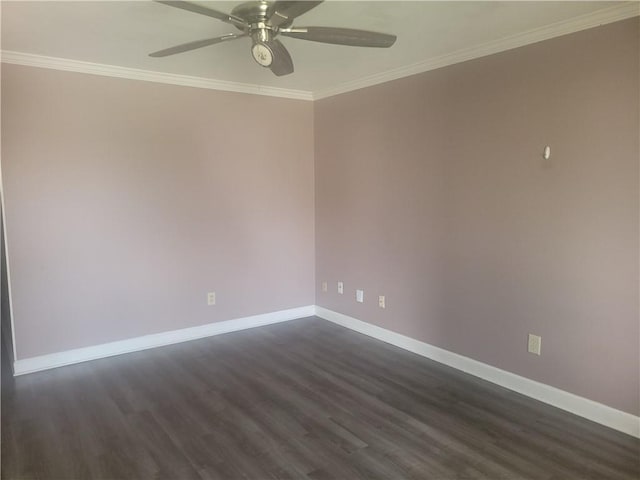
x: 256, y: 14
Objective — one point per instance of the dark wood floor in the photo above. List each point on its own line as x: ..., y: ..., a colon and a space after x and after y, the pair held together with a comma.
x: 303, y: 399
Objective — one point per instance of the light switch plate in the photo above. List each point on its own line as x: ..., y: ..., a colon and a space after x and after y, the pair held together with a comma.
x: 360, y: 296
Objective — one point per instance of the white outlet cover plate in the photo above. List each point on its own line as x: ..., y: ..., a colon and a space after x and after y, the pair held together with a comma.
x: 360, y: 296
x: 534, y: 344
x: 381, y: 301
x: 340, y: 288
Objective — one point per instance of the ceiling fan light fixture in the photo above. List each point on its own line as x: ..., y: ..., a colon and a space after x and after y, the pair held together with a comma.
x: 260, y: 48
x: 262, y: 54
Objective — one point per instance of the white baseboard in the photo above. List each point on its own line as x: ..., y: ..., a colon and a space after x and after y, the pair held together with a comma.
x: 594, y: 411
x: 53, y: 360
x: 597, y: 412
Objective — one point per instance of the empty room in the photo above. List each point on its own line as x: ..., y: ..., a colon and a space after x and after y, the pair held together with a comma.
x: 320, y: 240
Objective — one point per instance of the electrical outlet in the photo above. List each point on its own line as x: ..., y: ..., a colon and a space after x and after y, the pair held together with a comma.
x: 211, y: 298
x: 381, y: 302
x: 324, y: 286
x: 360, y: 296
x: 534, y: 344
x: 340, y: 288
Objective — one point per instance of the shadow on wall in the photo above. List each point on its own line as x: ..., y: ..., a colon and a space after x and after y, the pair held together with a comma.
x: 6, y: 344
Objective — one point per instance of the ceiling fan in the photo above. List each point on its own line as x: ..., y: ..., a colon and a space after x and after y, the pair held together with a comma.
x: 263, y: 21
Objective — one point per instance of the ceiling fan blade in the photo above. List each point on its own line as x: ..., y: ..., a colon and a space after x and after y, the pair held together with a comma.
x: 185, y: 47
x: 341, y: 36
x: 285, y: 12
x: 282, y: 63
x: 195, y: 8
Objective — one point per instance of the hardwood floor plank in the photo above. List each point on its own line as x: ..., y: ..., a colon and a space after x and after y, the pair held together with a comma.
x: 302, y: 399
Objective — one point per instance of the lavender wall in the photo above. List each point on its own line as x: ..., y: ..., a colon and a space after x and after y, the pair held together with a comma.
x: 432, y: 191
x: 127, y: 201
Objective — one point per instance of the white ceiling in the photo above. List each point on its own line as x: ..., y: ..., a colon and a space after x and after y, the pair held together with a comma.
x: 124, y: 33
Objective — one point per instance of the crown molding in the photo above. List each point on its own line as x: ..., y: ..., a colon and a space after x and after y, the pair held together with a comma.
x: 565, y: 27
x: 55, y: 63
x: 576, y: 24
